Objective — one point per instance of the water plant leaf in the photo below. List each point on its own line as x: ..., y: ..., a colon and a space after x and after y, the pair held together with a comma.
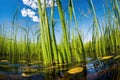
x: 75, y: 70
x: 15, y: 15
x: 70, y: 9
x: 107, y: 57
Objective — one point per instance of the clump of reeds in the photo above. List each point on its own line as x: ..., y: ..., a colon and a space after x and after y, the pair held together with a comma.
x: 44, y: 48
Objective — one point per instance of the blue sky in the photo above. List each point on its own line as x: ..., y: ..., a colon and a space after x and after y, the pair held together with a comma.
x: 8, y: 8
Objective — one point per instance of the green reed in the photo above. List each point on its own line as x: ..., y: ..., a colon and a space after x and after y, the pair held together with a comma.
x: 42, y: 45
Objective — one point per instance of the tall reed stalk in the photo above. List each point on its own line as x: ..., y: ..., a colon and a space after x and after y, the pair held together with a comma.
x: 65, y: 38
x: 54, y: 45
x: 95, y: 31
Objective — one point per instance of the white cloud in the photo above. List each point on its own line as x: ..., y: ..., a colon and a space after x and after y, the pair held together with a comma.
x: 33, y: 4
x: 50, y: 3
x: 35, y: 19
x: 30, y: 13
x: 24, y: 12
x: 27, y: 2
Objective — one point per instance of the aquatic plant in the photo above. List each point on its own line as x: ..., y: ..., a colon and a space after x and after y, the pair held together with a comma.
x: 41, y: 47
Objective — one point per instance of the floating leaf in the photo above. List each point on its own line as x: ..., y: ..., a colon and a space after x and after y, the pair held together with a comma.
x: 75, y: 70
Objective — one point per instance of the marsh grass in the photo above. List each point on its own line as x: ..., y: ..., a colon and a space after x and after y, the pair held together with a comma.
x: 43, y: 48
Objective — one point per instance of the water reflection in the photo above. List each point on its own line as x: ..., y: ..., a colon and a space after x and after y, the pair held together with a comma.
x: 106, y: 68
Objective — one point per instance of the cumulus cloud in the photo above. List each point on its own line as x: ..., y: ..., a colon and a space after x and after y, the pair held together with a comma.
x: 24, y: 12
x: 27, y: 2
x: 33, y: 4
x: 35, y: 19
x: 29, y: 13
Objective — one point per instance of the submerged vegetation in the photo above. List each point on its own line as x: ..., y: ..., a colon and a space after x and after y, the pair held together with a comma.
x: 42, y: 47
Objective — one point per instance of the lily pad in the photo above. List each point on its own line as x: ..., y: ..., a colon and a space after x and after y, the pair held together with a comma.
x: 75, y: 70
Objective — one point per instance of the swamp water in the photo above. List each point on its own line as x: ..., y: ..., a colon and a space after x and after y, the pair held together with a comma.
x: 107, y: 68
